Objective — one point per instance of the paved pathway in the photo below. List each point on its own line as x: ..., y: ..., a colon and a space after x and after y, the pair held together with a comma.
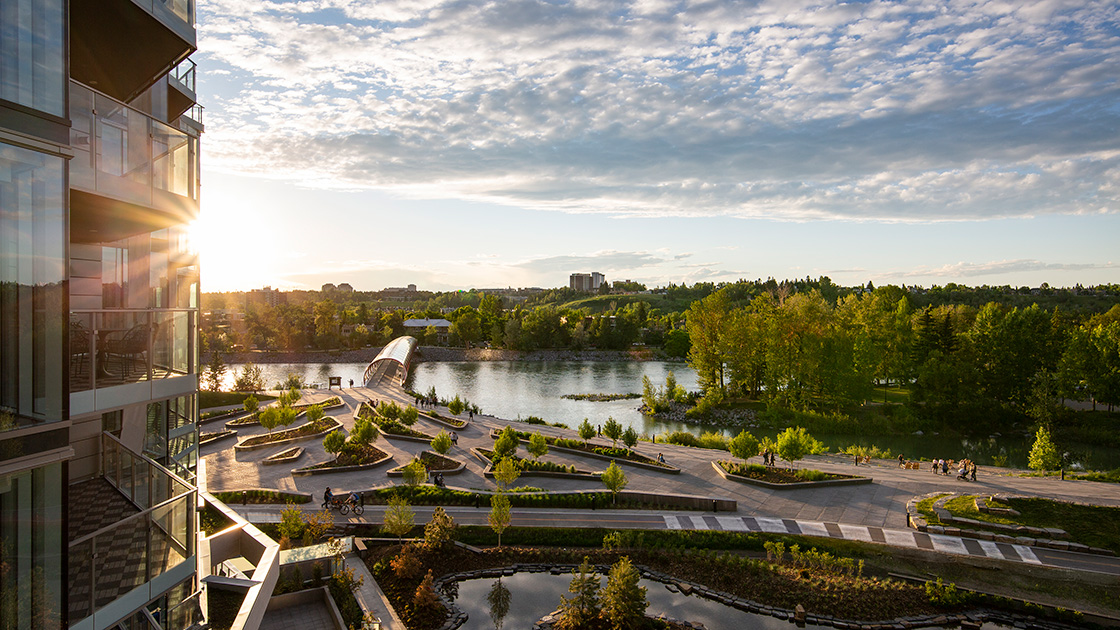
x: 865, y: 511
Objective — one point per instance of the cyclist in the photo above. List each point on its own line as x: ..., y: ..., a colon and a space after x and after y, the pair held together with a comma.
x: 327, y: 497
x: 354, y: 498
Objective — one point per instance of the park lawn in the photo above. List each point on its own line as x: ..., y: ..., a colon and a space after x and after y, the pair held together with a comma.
x: 925, y: 508
x: 898, y: 395
x: 224, y: 399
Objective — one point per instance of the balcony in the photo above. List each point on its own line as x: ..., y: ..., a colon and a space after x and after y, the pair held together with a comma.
x: 132, y: 536
x: 131, y: 173
x: 121, y: 347
x: 122, y: 47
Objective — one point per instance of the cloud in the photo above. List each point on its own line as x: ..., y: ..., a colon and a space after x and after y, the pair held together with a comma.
x: 781, y: 109
x: 1001, y: 267
x: 605, y: 261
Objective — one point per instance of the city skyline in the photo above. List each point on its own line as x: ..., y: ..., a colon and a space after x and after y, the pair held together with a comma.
x: 462, y: 145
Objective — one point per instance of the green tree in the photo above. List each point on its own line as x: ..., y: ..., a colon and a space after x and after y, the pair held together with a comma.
x: 409, y: 415
x: 269, y: 419
x: 467, y: 326
x: 456, y: 405
x: 614, y: 479
x: 538, y: 447
x: 250, y: 404
x: 506, y: 473
x: 215, y: 371
x: 287, y: 416
x: 499, y: 515
x: 389, y: 410
x: 415, y: 473
x: 291, y: 523
x: 744, y: 446
x: 314, y: 413
x: 399, y: 517
x: 441, y: 443
x: 440, y: 530
x: 613, y: 429
x: 707, y: 330
x: 586, y: 431
x: 363, y: 433
x: 1044, y: 454
x: 630, y: 438
x: 250, y: 379
x: 623, y: 600
x: 583, y: 608
x: 334, y: 441
x: 794, y: 444
x: 506, y: 444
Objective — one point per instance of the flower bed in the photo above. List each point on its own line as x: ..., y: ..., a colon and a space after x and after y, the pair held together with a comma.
x: 454, y: 423
x: 600, y: 452
x: 207, y: 438
x: 307, y: 431
x: 255, y: 496
x: 530, y: 467
x: 434, y: 463
x: 285, y: 456
x: 783, y: 478
x: 254, y: 418
x: 394, y: 429
x: 353, y: 457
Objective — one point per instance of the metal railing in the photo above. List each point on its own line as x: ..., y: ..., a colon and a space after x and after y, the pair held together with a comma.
x: 116, y: 559
x: 185, y: 74
x: 125, y: 153
x: 112, y: 347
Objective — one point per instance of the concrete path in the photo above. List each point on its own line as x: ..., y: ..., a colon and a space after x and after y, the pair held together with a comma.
x: 370, y: 597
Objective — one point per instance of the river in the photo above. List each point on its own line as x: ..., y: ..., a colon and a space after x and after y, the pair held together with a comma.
x: 519, y: 389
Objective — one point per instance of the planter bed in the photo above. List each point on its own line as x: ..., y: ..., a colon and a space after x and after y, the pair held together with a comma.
x: 782, y: 479
x: 229, y: 415
x: 307, y: 431
x: 487, y: 457
x: 261, y: 496
x: 435, y: 462
x: 208, y: 438
x: 253, y: 418
x: 371, y: 458
x: 577, y: 447
x: 414, y: 436
x: 453, y: 423
x: 285, y: 456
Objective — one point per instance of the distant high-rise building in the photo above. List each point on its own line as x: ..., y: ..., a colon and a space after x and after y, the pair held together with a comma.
x: 586, y: 281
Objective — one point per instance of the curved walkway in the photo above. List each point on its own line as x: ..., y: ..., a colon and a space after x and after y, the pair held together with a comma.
x: 875, y: 508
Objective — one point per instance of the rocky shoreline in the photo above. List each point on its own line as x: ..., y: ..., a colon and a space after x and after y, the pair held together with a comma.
x: 745, y: 418
x: 440, y: 354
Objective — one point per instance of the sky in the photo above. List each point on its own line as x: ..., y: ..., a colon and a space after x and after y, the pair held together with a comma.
x: 460, y: 144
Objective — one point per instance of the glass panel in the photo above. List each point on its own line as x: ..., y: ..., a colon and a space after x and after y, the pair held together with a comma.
x: 32, y: 284
x: 81, y: 351
x: 170, y: 168
x: 31, y: 548
x: 123, y: 150
x: 81, y: 137
x: 120, y: 559
x: 140, y: 472
x: 32, y: 52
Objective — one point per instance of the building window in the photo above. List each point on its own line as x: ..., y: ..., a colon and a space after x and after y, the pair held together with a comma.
x: 32, y: 54
x: 31, y: 546
x: 32, y: 284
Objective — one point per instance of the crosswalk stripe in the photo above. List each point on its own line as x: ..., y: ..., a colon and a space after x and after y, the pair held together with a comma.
x: 899, y: 538
x: 855, y: 532
x: 697, y: 522
x: 771, y: 525
x: 990, y: 549
x: 731, y: 523
x: 671, y: 522
x: 813, y: 529
x: 1027, y: 554
x: 948, y: 544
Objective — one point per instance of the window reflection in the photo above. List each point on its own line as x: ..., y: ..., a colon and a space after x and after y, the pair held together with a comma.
x: 32, y: 44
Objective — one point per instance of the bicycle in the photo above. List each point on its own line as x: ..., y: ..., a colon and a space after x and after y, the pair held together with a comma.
x: 344, y: 506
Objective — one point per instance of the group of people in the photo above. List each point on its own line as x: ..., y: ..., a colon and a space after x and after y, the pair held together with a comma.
x: 329, y: 499
x: 768, y: 458
x: 426, y: 402
x: 966, y: 469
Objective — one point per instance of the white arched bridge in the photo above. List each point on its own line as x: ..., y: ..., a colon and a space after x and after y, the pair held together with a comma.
x: 392, y: 362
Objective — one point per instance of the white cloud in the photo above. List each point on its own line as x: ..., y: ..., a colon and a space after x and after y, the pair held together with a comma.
x: 777, y: 109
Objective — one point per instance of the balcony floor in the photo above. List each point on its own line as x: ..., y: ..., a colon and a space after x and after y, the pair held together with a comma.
x: 122, y: 564
x: 118, y: 372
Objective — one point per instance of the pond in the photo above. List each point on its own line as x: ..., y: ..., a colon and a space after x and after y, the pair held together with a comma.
x: 531, y: 596
x: 519, y: 389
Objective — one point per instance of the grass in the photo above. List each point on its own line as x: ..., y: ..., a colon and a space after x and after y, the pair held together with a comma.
x: 899, y: 395
x: 224, y: 399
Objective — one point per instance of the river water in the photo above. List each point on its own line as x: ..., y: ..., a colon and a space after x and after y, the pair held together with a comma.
x: 519, y: 389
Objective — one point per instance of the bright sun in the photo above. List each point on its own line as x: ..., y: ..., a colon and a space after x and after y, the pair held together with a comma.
x: 233, y: 250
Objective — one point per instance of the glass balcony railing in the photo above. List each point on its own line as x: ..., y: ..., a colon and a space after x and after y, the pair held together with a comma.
x: 185, y: 74
x: 110, y: 562
x: 118, y: 347
x: 124, y: 153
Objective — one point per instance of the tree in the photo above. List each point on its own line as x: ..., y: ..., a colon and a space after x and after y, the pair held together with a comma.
x: 363, y: 433
x: 215, y: 371
x: 624, y: 601
x: 612, y: 429
x: 399, y: 517
x: 415, y: 473
x: 314, y: 413
x: 468, y: 326
x: 506, y: 473
x: 441, y: 443
x: 286, y: 416
x: 744, y: 445
x: 506, y: 444
x: 425, y: 601
x: 389, y: 410
x: 250, y: 404
x: 456, y: 405
x: 586, y: 431
x: 538, y: 447
x: 269, y: 419
x: 499, y: 515
x: 250, y: 379
x: 334, y: 442
x: 582, y: 609
x: 439, y: 531
x: 630, y: 438
x: 1044, y: 454
x: 614, y: 479
x: 795, y: 444
x: 409, y: 415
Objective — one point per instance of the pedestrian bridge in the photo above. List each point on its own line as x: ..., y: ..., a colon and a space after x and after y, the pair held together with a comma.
x: 392, y: 362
